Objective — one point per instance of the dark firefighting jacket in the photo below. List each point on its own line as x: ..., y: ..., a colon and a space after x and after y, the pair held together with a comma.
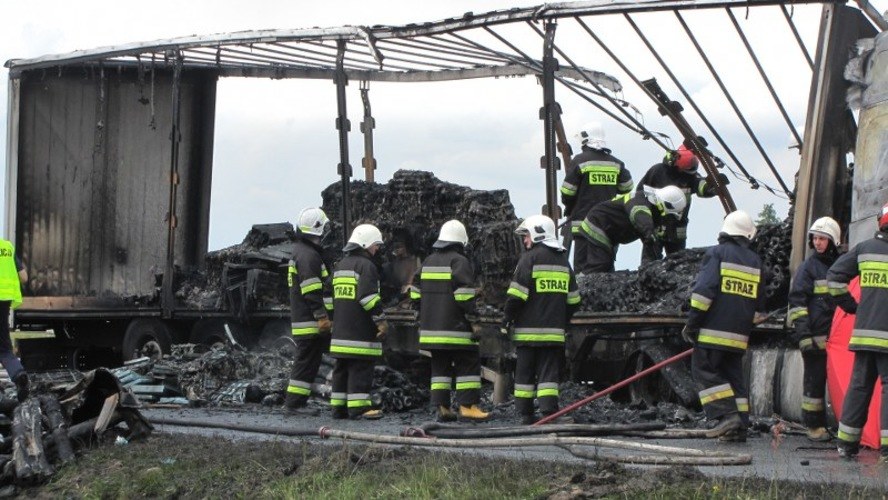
x: 691, y: 183
x: 811, y: 307
x: 310, y: 293
x: 592, y: 177
x: 357, y: 305
x: 542, y: 297
x: 445, y: 287
x: 622, y: 220
x: 869, y: 260
x: 728, y: 292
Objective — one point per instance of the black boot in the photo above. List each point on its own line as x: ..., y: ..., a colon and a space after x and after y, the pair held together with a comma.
x: 848, y: 449
x: 728, y: 423
x: 22, y: 386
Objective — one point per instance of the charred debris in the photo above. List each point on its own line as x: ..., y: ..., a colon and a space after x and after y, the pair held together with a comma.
x: 67, y: 412
x: 411, y: 207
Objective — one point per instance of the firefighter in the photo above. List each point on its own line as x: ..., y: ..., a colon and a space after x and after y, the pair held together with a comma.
x: 869, y: 339
x: 540, y: 300
x: 678, y: 168
x: 12, y: 275
x: 624, y: 220
x: 309, y: 284
x: 445, y: 289
x: 725, y: 301
x: 359, y: 328
x: 593, y: 176
x: 811, y: 311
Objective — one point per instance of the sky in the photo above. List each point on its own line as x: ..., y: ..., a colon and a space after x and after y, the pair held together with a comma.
x: 276, y: 146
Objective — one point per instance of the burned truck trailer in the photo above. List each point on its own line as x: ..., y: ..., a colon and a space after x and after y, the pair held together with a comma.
x: 97, y: 193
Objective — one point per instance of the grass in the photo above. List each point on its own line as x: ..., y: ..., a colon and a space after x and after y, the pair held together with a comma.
x: 168, y: 466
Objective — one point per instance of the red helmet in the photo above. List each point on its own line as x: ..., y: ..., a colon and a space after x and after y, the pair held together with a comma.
x: 883, y: 218
x: 684, y: 159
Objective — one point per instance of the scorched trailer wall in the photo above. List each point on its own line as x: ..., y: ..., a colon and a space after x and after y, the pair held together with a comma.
x: 91, y: 179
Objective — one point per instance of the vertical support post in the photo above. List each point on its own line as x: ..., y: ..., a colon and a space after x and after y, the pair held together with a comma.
x: 823, y: 186
x: 343, y: 126
x: 367, y: 126
x: 550, y: 113
x: 175, y: 139
x: 12, y: 145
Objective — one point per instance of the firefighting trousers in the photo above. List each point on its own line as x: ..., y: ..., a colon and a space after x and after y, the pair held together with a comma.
x: 352, y: 381
x: 459, y: 366
x: 868, y: 366
x: 814, y: 388
x: 537, y: 372
x: 581, y: 251
x: 10, y: 362
x: 305, y: 368
x: 597, y: 260
x: 719, y: 374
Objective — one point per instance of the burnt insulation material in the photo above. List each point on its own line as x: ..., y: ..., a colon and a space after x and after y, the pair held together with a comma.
x: 664, y: 287
x: 414, y: 204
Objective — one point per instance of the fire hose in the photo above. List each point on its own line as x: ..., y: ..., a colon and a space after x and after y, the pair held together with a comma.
x: 614, y: 387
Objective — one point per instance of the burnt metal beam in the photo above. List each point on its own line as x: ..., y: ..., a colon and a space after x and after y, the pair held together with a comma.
x: 548, y: 114
x: 673, y: 110
x: 764, y: 76
x: 367, y: 126
x: 639, y: 127
x: 823, y: 181
x: 167, y: 298
x: 343, y: 126
x: 749, y: 178
x: 733, y: 104
x: 798, y: 37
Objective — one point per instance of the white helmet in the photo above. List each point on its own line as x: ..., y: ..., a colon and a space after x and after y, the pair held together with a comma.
x: 739, y: 223
x: 541, y: 230
x: 670, y: 199
x: 452, y: 231
x: 364, y: 236
x: 592, y: 135
x: 313, y: 221
x: 827, y: 226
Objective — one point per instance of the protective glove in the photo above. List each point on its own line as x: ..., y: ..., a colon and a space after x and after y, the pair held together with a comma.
x: 325, y: 325
x: 689, y: 334
x: 760, y: 318
x: 652, y: 239
x: 505, y: 328
x: 723, y: 179
x: 382, y: 328
x: 807, y: 346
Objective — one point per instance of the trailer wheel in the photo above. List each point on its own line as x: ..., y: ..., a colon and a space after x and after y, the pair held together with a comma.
x: 146, y: 337
x: 272, y: 331
x: 211, y: 332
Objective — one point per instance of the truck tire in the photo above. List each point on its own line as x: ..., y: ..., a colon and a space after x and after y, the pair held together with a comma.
x: 272, y: 331
x: 146, y: 337
x: 211, y: 332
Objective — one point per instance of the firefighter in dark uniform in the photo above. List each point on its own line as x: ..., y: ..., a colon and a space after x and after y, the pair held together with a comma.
x: 811, y: 310
x: 12, y: 275
x: 359, y: 328
x: 725, y: 303
x: 679, y: 168
x: 445, y: 289
x: 624, y: 220
x: 593, y: 176
x: 540, y: 300
x: 309, y: 284
x: 869, y: 339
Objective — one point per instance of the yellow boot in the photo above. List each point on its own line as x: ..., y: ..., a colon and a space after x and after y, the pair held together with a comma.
x: 371, y: 415
x: 818, y: 434
x: 472, y: 413
x: 445, y: 414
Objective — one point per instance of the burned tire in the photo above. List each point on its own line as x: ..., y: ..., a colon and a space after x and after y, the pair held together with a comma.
x: 273, y: 331
x: 211, y: 332
x: 146, y: 337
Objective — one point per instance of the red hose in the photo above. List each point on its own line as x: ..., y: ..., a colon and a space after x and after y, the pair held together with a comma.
x: 633, y: 378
